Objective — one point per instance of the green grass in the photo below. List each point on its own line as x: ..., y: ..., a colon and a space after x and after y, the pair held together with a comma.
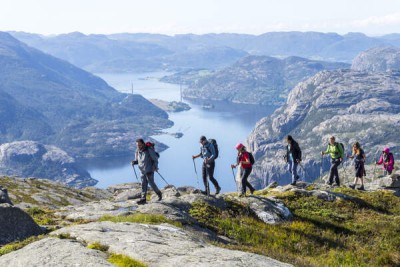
x: 361, y: 232
x: 98, y: 246
x: 140, y: 218
x: 19, y: 244
x: 125, y: 261
x: 42, y: 216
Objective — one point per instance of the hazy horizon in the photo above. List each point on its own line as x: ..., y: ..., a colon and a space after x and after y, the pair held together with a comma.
x: 255, y: 17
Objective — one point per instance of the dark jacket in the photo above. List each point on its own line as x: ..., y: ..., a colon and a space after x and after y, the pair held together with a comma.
x: 147, y: 160
x: 295, y: 150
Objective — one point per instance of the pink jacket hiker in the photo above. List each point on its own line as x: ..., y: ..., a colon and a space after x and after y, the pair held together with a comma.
x: 388, y: 161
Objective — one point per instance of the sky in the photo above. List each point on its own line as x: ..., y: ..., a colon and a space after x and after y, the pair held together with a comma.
x: 372, y: 17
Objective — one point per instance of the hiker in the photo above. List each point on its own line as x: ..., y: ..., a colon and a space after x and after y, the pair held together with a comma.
x: 147, y: 160
x: 208, y: 154
x: 359, y: 158
x: 293, y: 158
x: 336, y: 152
x: 244, y: 161
x: 387, y: 160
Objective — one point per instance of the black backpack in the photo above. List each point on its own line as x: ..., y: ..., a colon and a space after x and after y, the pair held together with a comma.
x: 214, y: 142
x: 251, y: 157
x: 151, y: 145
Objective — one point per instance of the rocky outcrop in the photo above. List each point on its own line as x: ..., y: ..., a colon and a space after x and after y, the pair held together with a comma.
x: 4, y: 198
x: 175, y: 206
x: 32, y: 192
x: 379, y: 59
x: 16, y: 225
x: 351, y: 105
x: 32, y: 159
x: 55, y: 252
x: 257, y: 80
x: 162, y: 245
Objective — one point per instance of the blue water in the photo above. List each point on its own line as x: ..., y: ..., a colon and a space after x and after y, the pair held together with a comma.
x: 227, y: 123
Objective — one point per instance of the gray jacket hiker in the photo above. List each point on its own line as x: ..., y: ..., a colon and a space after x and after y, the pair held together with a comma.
x: 208, y: 154
x: 147, y: 160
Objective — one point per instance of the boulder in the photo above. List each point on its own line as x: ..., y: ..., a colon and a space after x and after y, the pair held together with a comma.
x: 55, y: 252
x: 4, y: 198
x: 163, y: 245
x: 16, y: 225
x: 390, y: 181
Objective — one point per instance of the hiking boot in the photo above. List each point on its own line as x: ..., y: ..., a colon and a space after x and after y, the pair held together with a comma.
x: 217, y: 190
x: 336, y: 185
x: 293, y: 183
x: 159, y: 196
x: 361, y: 188
x: 329, y: 183
x: 352, y: 186
x: 141, y: 201
x: 252, y: 191
x: 242, y: 195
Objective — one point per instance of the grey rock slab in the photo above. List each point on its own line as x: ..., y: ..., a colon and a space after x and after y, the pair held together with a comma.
x: 162, y: 245
x: 94, y: 210
x: 15, y: 224
x: 50, y: 252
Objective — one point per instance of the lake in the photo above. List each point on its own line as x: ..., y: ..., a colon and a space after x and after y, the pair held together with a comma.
x: 227, y: 123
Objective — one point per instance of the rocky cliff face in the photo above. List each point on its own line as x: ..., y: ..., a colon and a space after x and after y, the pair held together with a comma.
x: 257, y: 80
x: 379, y: 59
x: 32, y: 159
x: 351, y: 105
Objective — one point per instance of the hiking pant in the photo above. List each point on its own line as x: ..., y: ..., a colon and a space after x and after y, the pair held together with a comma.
x: 148, y: 178
x: 334, y: 173
x: 292, y: 167
x: 359, y: 169
x: 244, y: 174
x: 208, y: 170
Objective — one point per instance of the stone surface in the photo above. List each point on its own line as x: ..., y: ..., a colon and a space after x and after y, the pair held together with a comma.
x: 51, y: 252
x: 4, y: 198
x: 162, y: 245
x: 15, y: 224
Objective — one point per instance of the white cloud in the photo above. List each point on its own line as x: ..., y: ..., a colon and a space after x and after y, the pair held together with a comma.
x: 391, y: 19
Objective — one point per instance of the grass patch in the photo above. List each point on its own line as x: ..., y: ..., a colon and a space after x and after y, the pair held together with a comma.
x: 125, y: 261
x: 359, y: 232
x: 98, y: 246
x: 140, y: 218
x: 42, y: 216
x: 19, y: 244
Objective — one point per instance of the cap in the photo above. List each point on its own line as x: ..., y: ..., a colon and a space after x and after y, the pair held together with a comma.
x: 239, y: 146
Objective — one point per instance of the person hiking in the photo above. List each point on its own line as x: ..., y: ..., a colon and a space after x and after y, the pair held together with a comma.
x: 244, y: 161
x: 336, y: 151
x: 147, y: 160
x: 359, y: 159
x: 208, y: 154
x: 387, y: 161
x: 293, y: 158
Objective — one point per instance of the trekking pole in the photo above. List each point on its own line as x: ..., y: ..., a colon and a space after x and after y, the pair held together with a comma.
x: 375, y: 163
x: 197, y: 176
x: 234, y: 179
x: 304, y: 170
x: 320, y: 170
x: 134, y: 170
x: 162, y: 178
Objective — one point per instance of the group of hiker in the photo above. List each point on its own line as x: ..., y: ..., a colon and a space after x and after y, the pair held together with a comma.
x: 336, y: 152
x: 147, y: 160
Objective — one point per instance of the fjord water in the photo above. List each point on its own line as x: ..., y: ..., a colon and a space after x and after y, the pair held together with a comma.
x: 227, y: 123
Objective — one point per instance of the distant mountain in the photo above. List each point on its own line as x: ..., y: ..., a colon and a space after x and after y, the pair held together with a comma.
x: 351, y: 105
x: 126, y: 52
x: 99, y: 53
x: 31, y: 159
x: 255, y: 79
x: 49, y: 100
x: 378, y: 59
